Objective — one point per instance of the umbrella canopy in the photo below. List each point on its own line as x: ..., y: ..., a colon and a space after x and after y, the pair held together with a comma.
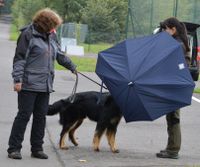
x: 148, y: 77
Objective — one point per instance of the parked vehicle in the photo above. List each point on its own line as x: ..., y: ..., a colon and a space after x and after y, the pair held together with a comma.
x: 195, y: 49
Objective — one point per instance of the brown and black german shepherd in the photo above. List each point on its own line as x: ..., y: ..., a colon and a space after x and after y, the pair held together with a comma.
x: 100, y: 108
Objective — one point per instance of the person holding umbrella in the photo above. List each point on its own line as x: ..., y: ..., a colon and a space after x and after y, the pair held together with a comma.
x: 178, y: 31
x: 33, y: 74
x: 137, y: 74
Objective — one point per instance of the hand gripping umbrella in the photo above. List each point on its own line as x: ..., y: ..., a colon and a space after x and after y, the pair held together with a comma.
x: 148, y: 77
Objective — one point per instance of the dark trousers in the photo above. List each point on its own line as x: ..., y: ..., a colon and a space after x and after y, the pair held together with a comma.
x: 174, y: 132
x: 29, y: 103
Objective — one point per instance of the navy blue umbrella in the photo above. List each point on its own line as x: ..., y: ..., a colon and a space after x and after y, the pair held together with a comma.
x: 148, y: 77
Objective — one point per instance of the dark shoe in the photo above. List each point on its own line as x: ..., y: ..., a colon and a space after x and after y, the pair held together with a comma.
x: 163, y: 151
x: 39, y: 154
x: 166, y: 154
x: 15, y: 155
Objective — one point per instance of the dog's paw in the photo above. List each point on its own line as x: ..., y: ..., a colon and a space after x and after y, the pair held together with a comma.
x: 96, y: 149
x: 75, y: 144
x: 115, y: 151
x: 64, y: 148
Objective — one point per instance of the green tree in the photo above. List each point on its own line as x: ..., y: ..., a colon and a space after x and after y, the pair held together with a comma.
x: 70, y: 10
x: 23, y: 11
x: 6, y: 9
x: 105, y: 18
x: 98, y: 17
x: 119, y: 13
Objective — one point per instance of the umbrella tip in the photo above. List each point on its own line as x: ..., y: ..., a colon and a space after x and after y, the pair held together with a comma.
x: 130, y: 84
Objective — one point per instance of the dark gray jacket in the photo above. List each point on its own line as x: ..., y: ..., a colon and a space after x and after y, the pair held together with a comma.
x: 33, y: 64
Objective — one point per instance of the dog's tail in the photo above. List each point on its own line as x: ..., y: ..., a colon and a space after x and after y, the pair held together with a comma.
x: 56, y: 107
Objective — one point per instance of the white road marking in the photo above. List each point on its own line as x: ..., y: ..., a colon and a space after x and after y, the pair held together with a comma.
x: 195, y: 99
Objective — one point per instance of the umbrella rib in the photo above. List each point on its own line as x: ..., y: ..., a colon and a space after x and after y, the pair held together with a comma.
x: 142, y: 48
x: 127, y: 60
x: 113, y: 69
x: 120, y: 93
x: 156, y: 95
x: 155, y: 65
x: 171, y: 101
x: 127, y: 99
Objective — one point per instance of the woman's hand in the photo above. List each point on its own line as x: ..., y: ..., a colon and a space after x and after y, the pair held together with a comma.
x: 75, y: 72
x: 17, y: 87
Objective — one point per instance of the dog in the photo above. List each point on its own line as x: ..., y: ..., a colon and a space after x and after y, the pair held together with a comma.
x: 98, y: 107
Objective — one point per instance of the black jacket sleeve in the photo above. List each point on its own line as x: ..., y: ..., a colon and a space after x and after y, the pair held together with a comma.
x: 19, y: 60
x: 61, y: 58
x: 65, y: 61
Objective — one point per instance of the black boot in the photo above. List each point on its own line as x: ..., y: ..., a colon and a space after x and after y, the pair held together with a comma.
x: 167, y: 154
x: 15, y: 155
x: 39, y: 154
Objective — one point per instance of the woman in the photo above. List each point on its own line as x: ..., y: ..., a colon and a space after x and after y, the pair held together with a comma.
x: 178, y: 31
x: 33, y: 74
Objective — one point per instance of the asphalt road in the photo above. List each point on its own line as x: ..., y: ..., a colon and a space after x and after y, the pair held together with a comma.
x: 137, y: 141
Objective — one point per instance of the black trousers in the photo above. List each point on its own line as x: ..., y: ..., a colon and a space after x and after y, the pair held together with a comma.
x: 29, y: 103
